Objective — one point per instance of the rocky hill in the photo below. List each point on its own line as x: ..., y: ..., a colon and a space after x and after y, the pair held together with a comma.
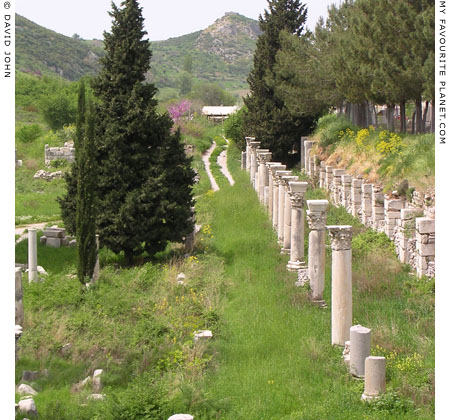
x: 220, y: 53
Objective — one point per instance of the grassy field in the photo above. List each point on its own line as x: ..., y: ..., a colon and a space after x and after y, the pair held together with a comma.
x: 271, y: 355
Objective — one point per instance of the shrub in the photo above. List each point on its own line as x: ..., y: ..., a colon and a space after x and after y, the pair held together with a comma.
x: 29, y: 133
x: 58, y: 110
x: 370, y: 241
x: 233, y: 127
x: 331, y: 129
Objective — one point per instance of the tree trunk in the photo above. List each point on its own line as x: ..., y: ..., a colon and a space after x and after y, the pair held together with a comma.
x: 128, y: 258
x: 433, y: 115
x: 418, y: 115
x: 424, y: 118
x: 390, y: 117
x: 413, y: 122
x: 403, y: 116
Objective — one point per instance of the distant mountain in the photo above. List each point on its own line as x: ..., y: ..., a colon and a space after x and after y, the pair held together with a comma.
x: 220, y: 53
x: 44, y: 51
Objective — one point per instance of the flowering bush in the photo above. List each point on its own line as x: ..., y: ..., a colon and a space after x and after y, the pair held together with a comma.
x: 389, y: 143
x: 178, y: 110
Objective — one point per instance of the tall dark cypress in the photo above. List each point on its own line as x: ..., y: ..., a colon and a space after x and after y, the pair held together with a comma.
x: 85, y: 202
x: 268, y: 119
x: 138, y: 208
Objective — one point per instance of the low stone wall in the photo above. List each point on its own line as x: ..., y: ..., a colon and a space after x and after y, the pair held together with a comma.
x: 413, y: 236
x: 66, y: 152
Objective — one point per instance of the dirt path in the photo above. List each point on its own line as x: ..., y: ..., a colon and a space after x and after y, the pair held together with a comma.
x: 205, y: 159
x: 21, y: 230
x: 222, y: 161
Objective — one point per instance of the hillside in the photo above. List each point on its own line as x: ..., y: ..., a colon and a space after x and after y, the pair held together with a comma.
x: 220, y: 53
x: 44, y: 51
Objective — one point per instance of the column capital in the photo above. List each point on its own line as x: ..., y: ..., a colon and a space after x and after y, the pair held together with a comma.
x: 255, y: 144
x: 317, y: 220
x: 273, y: 168
x: 263, y: 158
x: 341, y: 237
x: 296, y: 191
x: 279, y: 174
x: 286, y: 178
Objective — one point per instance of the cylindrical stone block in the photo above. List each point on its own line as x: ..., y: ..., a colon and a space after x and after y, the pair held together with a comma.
x: 359, y: 349
x: 341, y: 283
x: 375, y: 377
x: 32, y: 256
x: 19, y: 297
x: 275, y: 206
x: 287, y: 223
x: 266, y: 197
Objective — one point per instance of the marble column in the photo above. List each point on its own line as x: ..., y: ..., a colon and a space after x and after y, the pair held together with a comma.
x: 374, y: 378
x: 322, y: 175
x: 356, y: 196
x: 32, y: 256
x: 341, y: 283
x: 317, y: 217
x: 242, y: 160
x: 297, y: 192
x: 276, y: 196
x: 253, y: 146
x: 281, y: 192
x: 308, y: 145
x: 286, y: 249
x: 328, y: 177
x: 19, y: 297
x: 366, y: 204
x: 359, y: 349
x: 248, y: 153
x: 377, y: 208
x: 270, y: 172
x: 346, y: 189
x: 302, y: 152
x: 263, y: 174
x: 337, y: 182
x: 256, y: 183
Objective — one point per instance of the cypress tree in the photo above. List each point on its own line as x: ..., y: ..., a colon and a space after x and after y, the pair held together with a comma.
x: 143, y: 201
x: 268, y: 119
x: 85, y: 202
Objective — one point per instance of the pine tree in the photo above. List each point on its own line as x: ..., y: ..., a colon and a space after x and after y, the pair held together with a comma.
x: 268, y: 119
x: 85, y: 198
x: 142, y: 202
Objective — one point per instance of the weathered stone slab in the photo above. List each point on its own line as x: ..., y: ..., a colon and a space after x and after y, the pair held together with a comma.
x: 53, y: 242
x: 425, y: 225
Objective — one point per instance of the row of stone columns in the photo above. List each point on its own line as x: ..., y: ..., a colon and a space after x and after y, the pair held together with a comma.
x: 283, y: 196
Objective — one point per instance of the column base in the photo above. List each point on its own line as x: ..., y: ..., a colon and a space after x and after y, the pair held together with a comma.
x: 286, y: 251
x: 320, y: 303
x: 295, y: 265
x: 370, y: 398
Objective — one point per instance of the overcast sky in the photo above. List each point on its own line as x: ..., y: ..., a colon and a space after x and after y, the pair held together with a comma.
x: 163, y: 18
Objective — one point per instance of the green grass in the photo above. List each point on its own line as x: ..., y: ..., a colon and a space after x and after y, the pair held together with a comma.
x: 271, y: 355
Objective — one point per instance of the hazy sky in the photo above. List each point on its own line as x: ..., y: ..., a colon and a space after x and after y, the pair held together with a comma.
x: 163, y: 18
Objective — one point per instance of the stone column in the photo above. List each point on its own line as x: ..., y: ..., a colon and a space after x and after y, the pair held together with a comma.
x: 297, y: 192
x: 266, y: 197
x: 341, y: 283
x: 286, y: 249
x: 322, y: 175
x: 263, y: 174
x: 359, y: 349
x: 253, y: 146
x: 242, y: 160
x: 273, y: 208
x: 346, y: 192
x: 392, y: 209
x: 404, y: 237
x: 270, y: 170
x: 425, y: 245
x: 374, y: 378
x: 367, y: 204
x: 337, y: 182
x: 308, y: 145
x: 356, y: 196
x: 248, y: 153
x: 256, y: 183
x: 377, y: 208
x: 281, y: 192
x: 19, y: 297
x: 328, y: 177
x: 32, y: 256
x: 302, y: 151
x: 317, y: 218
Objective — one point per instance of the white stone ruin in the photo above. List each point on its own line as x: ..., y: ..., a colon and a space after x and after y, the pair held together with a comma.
x: 341, y: 283
x: 286, y: 249
x: 202, y: 334
x: 317, y: 217
x: 32, y: 256
x: 181, y: 417
x: 375, y: 378
x: 359, y: 349
x: 54, y: 237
